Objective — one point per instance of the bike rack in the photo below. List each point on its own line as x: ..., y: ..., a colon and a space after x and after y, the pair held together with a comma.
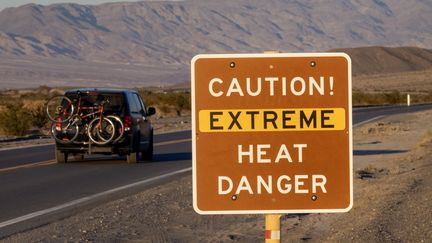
x: 89, y: 147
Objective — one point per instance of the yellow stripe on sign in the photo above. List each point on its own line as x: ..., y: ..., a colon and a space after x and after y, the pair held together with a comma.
x: 266, y: 120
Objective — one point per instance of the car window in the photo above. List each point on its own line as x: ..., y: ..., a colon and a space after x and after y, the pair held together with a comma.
x: 139, y: 102
x: 115, y: 104
x: 134, y: 106
x: 142, y: 103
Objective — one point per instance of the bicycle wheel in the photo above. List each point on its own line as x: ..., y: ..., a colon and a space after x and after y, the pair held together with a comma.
x: 101, y: 131
x: 59, y: 108
x: 119, y: 127
x: 65, y: 132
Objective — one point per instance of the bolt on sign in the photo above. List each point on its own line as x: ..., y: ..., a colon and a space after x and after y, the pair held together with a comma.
x: 272, y: 133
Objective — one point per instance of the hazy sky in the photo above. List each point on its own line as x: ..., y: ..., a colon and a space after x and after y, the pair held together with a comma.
x: 15, y: 3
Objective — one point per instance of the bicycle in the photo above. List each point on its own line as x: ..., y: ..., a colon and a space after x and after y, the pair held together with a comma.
x: 59, y: 108
x: 67, y: 125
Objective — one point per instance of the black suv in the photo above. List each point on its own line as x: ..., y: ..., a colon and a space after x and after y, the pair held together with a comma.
x: 137, y: 138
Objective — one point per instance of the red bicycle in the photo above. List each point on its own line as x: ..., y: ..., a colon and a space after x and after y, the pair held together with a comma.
x: 89, y: 121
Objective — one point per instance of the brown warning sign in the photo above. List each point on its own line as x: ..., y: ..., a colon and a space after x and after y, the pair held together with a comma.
x: 272, y: 133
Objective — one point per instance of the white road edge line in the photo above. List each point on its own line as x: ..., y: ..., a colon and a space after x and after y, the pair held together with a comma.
x: 88, y: 198
x: 367, y: 121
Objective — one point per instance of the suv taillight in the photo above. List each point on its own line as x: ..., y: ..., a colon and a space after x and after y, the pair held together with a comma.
x: 59, y: 124
x: 127, y: 121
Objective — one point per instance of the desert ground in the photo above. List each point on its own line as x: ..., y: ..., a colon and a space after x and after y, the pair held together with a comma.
x: 413, y: 82
x: 392, y: 198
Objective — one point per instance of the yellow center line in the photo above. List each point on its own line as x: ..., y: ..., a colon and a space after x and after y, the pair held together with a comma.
x: 50, y: 162
x: 173, y: 142
x: 42, y: 163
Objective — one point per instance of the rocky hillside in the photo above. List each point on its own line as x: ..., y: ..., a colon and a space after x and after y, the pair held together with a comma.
x: 152, y: 42
x: 171, y: 32
x: 378, y: 60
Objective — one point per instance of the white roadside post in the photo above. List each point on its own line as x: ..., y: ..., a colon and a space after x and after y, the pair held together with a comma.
x: 408, y: 100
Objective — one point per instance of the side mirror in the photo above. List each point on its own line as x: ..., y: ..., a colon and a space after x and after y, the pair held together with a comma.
x: 151, y: 111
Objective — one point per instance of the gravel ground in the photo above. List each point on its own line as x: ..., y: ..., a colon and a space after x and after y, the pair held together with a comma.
x: 392, y: 198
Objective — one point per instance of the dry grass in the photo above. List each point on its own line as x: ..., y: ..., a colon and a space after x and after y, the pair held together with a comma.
x: 371, y: 172
x: 406, y: 82
x: 383, y: 128
x: 426, y: 139
x: 393, y: 88
x: 172, y: 103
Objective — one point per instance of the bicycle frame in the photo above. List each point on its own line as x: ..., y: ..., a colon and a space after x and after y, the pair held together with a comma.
x: 81, y: 116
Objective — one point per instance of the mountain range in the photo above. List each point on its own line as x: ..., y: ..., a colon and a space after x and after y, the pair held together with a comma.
x: 167, y: 34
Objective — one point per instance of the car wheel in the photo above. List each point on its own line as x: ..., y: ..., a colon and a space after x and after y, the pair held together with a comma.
x: 132, y: 157
x: 78, y: 157
x: 61, y: 157
x: 147, y: 155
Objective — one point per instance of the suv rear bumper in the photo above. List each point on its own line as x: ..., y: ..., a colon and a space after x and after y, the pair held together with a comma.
x: 124, y: 146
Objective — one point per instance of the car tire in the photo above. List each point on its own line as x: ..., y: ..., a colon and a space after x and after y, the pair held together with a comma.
x: 61, y: 157
x: 132, y: 157
x: 78, y: 157
x: 147, y: 155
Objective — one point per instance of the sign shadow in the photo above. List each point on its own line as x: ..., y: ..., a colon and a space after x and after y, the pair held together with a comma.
x: 377, y: 152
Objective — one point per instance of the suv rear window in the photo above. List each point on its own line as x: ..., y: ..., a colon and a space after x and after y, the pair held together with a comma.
x: 115, y: 104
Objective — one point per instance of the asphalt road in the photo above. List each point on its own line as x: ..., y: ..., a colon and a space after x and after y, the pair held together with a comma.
x: 34, y: 190
x: 362, y: 115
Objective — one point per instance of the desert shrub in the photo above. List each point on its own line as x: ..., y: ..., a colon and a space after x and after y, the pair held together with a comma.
x: 15, y: 119
x: 180, y: 101
x: 44, y: 89
x: 391, y: 98
x: 394, y: 97
x: 166, y: 101
x: 164, y: 108
x: 38, y: 116
x: 41, y: 93
x: 422, y: 98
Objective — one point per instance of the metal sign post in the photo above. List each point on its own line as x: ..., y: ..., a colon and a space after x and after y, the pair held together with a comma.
x: 272, y: 228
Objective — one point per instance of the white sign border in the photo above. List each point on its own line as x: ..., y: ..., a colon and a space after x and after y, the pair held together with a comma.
x: 270, y: 55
